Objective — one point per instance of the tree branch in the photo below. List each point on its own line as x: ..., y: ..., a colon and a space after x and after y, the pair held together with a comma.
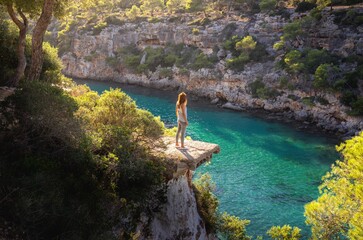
x: 25, y: 20
x: 13, y: 16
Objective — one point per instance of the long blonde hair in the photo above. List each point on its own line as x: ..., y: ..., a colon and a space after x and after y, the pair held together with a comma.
x: 182, y: 98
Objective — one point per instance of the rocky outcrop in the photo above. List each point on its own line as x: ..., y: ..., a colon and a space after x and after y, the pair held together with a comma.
x: 178, y: 218
x: 220, y: 84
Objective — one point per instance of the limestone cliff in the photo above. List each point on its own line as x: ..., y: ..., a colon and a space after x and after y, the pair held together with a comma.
x: 178, y: 218
x: 221, y: 84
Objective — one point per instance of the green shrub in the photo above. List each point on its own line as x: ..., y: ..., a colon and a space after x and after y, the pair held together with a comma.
x: 284, y: 233
x: 133, y: 13
x: 238, y: 63
x: 112, y: 62
x: 184, y: 72
x: 166, y: 73
x: 97, y: 29
x: 170, y: 60
x: 309, y: 101
x: 357, y: 107
x: 348, y: 97
x: 207, y: 202
x: 255, y: 86
x: 154, y: 19
x: 114, y: 20
x: 305, y: 6
x: 292, y: 30
x: 56, y: 189
x: 232, y: 227
x: 316, y: 14
x: 267, y: 5
x: 202, y: 61
x: 132, y: 61
x: 324, y: 76
x: 195, y: 31
x: 293, y: 61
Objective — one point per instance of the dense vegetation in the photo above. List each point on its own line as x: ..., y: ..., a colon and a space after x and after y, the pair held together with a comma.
x: 68, y: 158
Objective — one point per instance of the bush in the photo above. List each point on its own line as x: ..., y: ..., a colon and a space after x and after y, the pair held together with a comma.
x: 324, y: 76
x: 114, y: 20
x: 267, y: 5
x: 305, y: 6
x: 232, y: 227
x: 166, y: 73
x: 97, y: 29
x: 238, y: 63
x: 357, y: 107
x: 255, y: 86
x: 195, y: 31
x: 8, y: 42
x: 207, y: 202
x: 48, y: 165
x: 284, y: 232
x: 202, y: 61
x: 308, y: 101
x: 292, y: 30
x: 133, y: 13
x: 112, y: 62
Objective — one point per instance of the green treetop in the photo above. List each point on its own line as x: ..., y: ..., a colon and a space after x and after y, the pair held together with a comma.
x: 151, y: 6
x: 339, y: 209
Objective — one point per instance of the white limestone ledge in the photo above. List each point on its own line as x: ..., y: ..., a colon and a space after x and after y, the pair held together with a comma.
x: 189, y: 158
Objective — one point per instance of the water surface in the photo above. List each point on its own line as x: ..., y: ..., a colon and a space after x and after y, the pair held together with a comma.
x: 266, y: 171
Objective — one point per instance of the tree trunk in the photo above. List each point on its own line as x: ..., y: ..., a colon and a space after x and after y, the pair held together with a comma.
x: 23, y: 26
x: 37, y: 41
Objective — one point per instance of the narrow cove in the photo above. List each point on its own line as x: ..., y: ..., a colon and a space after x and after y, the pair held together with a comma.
x: 266, y: 171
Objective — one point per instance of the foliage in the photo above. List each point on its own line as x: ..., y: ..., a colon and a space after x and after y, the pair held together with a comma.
x: 150, y: 6
x: 339, y: 211
x: 194, y: 5
x: 325, y: 76
x: 232, y: 227
x: 166, y: 73
x: 175, y: 5
x: 8, y: 41
x: 195, y: 31
x: 47, y: 169
x: 292, y: 30
x: 305, y: 6
x: 284, y: 233
x: 247, y: 43
x: 244, y: 50
x: 292, y: 60
x: 202, y: 61
x: 357, y: 107
x: 52, y: 66
x: 309, y: 101
x: 267, y: 5
x: 97, y: 29
x: 133, y: 13
x: 207, y: 202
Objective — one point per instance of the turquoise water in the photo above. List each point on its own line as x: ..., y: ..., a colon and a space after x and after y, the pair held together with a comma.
x: 266, y: 171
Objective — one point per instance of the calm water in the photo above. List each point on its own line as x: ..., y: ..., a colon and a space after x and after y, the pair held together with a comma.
x: 265, y: 172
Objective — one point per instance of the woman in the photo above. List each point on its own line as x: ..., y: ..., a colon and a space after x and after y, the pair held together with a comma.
x: 181, y: 113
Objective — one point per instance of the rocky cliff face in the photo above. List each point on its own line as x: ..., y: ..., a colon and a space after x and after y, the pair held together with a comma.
x: 179, y: 218
x: 220, y: 84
